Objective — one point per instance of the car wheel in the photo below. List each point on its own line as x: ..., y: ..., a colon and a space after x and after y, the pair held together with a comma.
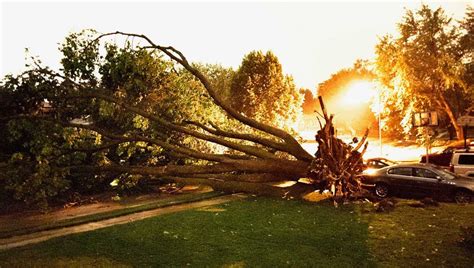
x: 381, y: 190
x: 462, y: 197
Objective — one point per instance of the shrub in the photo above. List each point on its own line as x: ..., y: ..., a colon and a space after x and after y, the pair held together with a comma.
x: 33, y: 182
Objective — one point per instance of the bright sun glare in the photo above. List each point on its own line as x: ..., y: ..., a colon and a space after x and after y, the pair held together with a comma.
x: 358, y: 92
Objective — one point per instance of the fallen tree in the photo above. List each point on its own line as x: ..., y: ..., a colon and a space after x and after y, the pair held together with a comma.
x: 255, y: 158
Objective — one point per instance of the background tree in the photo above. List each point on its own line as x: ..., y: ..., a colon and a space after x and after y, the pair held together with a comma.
x: 261, y: 91
x: 467, y: 46
x: 421, y: 68
x: 309, y: 101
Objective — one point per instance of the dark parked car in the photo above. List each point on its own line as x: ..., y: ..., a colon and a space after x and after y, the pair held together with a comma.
x: 442, y: 158
x: 420, y: 179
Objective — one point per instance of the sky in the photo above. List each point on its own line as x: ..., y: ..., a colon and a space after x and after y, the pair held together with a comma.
x: 312, y: 39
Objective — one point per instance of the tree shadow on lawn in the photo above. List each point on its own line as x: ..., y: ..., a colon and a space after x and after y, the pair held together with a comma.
x: 252, y: 232
x: 422, y: 236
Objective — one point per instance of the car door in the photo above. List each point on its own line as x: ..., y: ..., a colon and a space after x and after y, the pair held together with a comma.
x: 401, y: 179
x: 426, y: 182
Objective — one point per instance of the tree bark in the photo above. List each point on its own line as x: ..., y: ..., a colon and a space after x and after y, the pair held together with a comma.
x: 279, y: 168
x: 452, y: 118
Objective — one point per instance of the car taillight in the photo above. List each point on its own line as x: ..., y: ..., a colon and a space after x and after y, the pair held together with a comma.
x: 451, y: 168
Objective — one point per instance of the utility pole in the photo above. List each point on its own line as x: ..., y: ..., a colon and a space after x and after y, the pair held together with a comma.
x: 380, y: 122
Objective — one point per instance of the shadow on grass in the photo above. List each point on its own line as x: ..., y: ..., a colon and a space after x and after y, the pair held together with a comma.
x: 425, y: 237
x: 252, y: 232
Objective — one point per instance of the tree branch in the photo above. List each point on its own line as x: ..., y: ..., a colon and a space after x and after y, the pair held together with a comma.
x: 120, y: 139
x: 241, y: 136
x: 292, y: 143
x: 252, y: 177
x: 176, y: 148
x: 251, y: 150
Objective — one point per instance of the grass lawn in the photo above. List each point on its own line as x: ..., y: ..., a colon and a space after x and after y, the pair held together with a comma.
x: 267, y: 232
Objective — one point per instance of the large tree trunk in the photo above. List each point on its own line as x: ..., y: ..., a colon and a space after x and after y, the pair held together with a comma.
x: 452, y: 118
x: 239, y: 170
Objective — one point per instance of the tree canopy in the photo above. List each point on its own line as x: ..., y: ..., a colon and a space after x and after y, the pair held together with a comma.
x: 467, y: 48
x: 309, y: 101
x: 421, y: 68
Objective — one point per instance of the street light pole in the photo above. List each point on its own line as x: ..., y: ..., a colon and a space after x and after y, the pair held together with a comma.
x: 380, y: 122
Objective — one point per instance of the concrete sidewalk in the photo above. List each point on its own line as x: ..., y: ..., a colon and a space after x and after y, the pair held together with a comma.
x: 27, y: 239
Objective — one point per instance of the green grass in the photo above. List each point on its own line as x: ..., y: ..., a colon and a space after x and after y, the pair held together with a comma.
x: 267, y: 233
x: 425, y: 236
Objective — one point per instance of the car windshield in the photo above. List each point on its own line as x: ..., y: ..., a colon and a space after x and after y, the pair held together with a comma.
x: 446, y: 174
x: 389, y: 162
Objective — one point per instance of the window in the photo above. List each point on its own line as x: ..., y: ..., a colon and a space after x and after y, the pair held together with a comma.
x: 405, y: 171
x: 376, y: 164
x: 425, y: 173
x: 466, y: 159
